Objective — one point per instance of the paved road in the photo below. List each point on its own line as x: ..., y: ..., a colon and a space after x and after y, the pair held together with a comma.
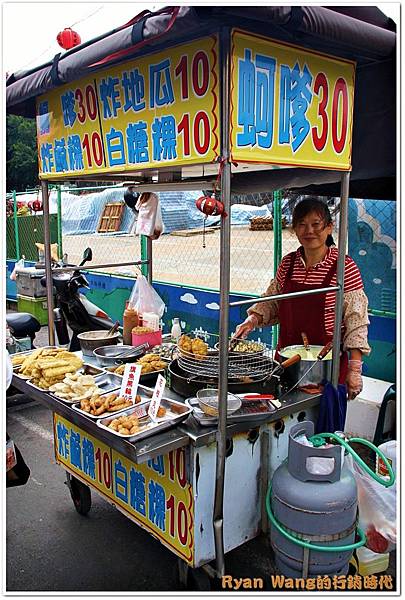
x: 50, y: 547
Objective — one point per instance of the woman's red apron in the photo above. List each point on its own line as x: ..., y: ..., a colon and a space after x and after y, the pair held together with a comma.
x: 306, y: 314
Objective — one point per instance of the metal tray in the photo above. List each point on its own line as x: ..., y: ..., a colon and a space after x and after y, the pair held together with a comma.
x: 76, y: 407
x: 88, y: 369
x: 29, y: 382
x: 147, y: 377
x: 108, y: 382
x: 248, y: 413
x: 176, y: 413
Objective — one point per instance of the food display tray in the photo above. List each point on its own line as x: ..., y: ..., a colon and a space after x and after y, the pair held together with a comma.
x: 88, y: 369
x: 249, y: 412
x: 147, y: 377
x: 29, y: 382
x: 176, y: 413
x: 108, y: 382
x: 76, y: 407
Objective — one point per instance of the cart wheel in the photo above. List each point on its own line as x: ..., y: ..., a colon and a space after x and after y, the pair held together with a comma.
x: 80, y: 494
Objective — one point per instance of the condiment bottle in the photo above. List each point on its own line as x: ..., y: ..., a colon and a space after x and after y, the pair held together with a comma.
x: 130, y: 320
x: 176, y: 330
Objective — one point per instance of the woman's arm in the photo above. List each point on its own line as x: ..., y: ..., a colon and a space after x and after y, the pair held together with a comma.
x: 260, y: 314
x: 355, y: 320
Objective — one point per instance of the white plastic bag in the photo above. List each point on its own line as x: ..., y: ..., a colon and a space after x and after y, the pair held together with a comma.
x: 18, y: 265
x: 149, y: 221
x: 144, y: 298
x: 377, y: 510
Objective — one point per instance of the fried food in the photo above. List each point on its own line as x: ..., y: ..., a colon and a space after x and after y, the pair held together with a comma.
x: 141, y: 330
x: 47, y: 366
x: 119, y: 370
x: 150, y: 363
x: 125, y: 425
x: 185, y: 343
x: 194, y: 346
x: 18, y: 359
x: 98, y: 405
x: 161, y: 411
x: 199, y: 347
x: 82, y: 387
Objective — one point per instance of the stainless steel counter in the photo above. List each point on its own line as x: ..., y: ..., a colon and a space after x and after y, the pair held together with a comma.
x: 188, y: 432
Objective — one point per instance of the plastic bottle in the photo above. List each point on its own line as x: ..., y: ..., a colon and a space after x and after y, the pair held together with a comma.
x: 176, y: 330
x: 389, y: 449
x: 130, y: 319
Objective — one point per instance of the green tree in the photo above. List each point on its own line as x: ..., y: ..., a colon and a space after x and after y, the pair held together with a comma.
x: 21, y: 154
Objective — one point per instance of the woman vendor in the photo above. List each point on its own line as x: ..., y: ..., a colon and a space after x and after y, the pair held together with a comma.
x: 313, y: 266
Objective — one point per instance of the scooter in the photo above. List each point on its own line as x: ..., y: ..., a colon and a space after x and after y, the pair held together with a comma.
x: 73, y: 308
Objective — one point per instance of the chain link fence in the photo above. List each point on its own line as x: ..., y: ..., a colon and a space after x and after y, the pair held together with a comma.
x: 188, y: 254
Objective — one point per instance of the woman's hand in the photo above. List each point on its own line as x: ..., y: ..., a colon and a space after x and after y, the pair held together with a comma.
x: 248, y: 325
x: 354, y: 381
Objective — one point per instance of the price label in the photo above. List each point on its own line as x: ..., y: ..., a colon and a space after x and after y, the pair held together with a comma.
x: 156, y: 398
x: 130, y: 381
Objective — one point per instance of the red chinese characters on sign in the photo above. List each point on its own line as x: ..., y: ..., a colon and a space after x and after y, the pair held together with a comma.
x: 129, y: 386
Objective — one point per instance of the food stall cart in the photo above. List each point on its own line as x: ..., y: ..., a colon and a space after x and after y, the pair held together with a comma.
x: 170, y: 110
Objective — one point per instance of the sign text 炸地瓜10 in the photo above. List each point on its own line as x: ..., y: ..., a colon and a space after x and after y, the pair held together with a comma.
x: 290, y: 105
x: 154, y: 111
x: 157, y: 494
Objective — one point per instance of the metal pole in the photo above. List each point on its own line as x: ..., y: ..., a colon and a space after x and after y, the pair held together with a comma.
x: 48, y: 262
x: 277, y: 250
x: 150, y: 263
x: 340, y: 274
x: 16, y: 235
x: 259, y: 299
x: 225, y: 242
x: 59, y: 205
x: 144, y: 255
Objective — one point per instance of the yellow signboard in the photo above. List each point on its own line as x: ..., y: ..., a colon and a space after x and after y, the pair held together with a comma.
x: 157, y: 494
x: 289, y: 105
x: 155, y: 111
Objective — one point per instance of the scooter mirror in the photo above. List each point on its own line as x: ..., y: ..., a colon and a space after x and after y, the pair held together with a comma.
x: 87, y: 255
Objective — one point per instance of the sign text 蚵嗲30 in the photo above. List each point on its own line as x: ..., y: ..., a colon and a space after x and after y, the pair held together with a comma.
x: 290, y: 105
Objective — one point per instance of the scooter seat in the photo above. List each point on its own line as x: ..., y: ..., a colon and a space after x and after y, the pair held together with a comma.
x: 22, y: 324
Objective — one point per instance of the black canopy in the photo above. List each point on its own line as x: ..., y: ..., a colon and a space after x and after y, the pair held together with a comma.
x: 360, y: 33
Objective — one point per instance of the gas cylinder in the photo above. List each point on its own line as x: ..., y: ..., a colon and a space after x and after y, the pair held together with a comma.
x: 314, y: 498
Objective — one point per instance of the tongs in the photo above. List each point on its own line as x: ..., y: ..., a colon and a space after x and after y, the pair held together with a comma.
x: 113, y: 329
x: 135, y: 350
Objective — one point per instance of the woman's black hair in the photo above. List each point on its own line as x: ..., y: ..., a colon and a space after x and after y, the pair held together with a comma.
x: 311, y: 204
x: 131, y: 198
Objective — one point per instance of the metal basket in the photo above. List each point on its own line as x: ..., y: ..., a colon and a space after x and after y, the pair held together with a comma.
x: 240, y: 364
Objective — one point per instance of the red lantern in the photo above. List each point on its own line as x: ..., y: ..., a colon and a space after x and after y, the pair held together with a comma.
x: 37, y: 205
x: 210, y: 206
x: 68, y: 38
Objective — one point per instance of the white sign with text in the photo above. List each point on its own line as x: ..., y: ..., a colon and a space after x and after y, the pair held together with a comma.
x: 130, y: 381
x: 156, y: 398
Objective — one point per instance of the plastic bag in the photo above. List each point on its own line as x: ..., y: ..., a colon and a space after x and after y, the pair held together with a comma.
x: 144, y: 298
x: 150, y: 221
x: 18, y: 265
x: 377, y: 510
x: 318, y: 465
